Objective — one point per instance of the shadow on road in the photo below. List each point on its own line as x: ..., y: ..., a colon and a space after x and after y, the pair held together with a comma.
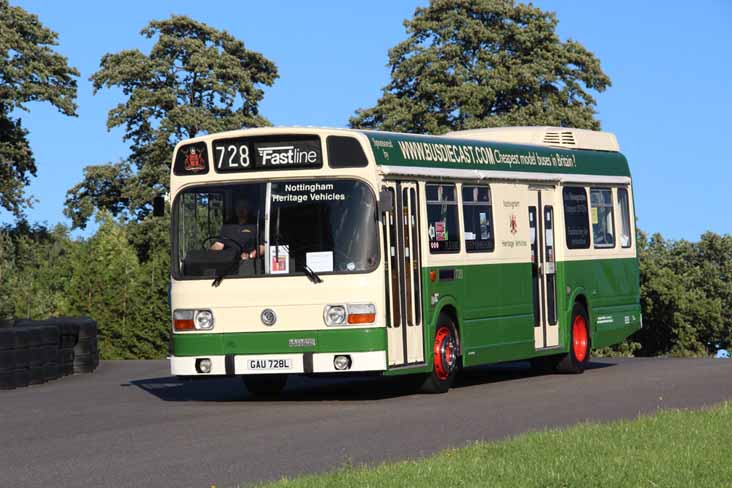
x: 316, y: 389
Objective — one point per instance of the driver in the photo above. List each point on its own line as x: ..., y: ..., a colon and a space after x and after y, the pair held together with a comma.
x: 241, y: 235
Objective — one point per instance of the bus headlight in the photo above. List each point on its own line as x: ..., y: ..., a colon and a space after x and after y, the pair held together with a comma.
x: 334, y: 315
x: 204, y: 320
x: 352, y: 313
x: 185, y: 320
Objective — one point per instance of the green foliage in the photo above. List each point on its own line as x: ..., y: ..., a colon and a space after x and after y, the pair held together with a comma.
x: 686, y: 294
x: 485, y: 63
x: 45, y: 273
x: 40, y: 268
x: 30, y: 71
x: 195, y: 80
x: 109, y: 284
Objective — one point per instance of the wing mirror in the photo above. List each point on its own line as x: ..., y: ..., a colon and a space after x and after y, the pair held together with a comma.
x: 159, y: 206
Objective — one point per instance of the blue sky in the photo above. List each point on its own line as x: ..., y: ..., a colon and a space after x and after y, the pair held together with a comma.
x: 670, y: 103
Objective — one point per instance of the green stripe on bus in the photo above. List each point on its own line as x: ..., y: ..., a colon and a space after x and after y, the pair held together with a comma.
x: 330, y: 340
x: 442, y: 152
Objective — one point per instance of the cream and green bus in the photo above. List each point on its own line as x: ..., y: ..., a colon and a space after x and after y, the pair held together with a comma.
x: 314, y: 251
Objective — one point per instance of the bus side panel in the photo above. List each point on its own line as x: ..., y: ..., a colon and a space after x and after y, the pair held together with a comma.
x: 612, y: 293
x: 498, y: 321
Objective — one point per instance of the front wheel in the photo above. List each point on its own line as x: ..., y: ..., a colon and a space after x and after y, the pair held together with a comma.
x: 445, y: 357
x: 265, y: 384
x: 576, y: 360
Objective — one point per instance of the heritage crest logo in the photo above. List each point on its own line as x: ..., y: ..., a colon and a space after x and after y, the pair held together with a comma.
x: 194, y: 161
x: 514, y: 224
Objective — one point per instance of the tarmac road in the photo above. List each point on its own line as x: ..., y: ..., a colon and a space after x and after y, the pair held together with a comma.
x: 131, y: 424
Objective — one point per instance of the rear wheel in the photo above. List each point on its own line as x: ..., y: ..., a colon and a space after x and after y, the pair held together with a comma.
x: 576, y: 360
x: 445, y: 357
x: 265, y: 384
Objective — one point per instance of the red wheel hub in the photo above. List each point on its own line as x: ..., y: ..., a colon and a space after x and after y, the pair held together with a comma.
x: 579, y: 338
x: 444, y: 353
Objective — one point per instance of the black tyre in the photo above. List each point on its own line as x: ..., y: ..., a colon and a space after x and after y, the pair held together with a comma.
x: 86, y: 346
x: 576, y: 360
x: 51, y: 354
x: 22, y: 358
x: 49, y: 335
x: 67, y: 356
x: 22, y: 339
x: 7, y: 361
x: 36, y: 357
x: 21, y: 377
x: 37, y: 375
x: 6, y: 381
x: 265, y: 384
x: 87, y: 327
x: 35, y: 337
x: 84, y: 364
x: 445, y: 360
x: 7, y: 339
x: 53, y: 371
x: 67, y: 341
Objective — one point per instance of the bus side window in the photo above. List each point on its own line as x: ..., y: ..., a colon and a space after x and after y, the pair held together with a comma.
x: 442, y: 218
x: 576, y: 217
x: 623, y: 203
x: 603, y: 223
x: 478, y: 219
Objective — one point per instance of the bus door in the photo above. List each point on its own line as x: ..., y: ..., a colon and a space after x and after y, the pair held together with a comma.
x: 543, y: 269
x: 403, y: 276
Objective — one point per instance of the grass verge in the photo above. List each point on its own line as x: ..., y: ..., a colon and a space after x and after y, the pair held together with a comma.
x: 668, y: 449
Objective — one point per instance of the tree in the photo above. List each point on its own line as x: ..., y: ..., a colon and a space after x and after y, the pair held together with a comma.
x: 37, y: 269
x: 686, y: 294
x: 30, y: 71
x: 485, y: 63
x: 195, y: 80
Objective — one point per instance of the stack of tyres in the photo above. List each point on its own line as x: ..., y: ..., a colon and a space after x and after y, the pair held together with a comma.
x: 36, y: 356
x: 51, y: 365
x: 7, y: 358
x: 68, y: 335
x: 21, y: 374
x: 86, y: 351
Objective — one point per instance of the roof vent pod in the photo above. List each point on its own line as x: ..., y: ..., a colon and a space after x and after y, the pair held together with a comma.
x: 563, y: 137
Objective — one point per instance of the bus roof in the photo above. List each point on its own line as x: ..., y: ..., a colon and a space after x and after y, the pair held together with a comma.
x: 474, y: 150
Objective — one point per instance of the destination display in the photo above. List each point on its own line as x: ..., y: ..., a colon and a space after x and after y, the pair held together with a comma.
x: 268, y: 153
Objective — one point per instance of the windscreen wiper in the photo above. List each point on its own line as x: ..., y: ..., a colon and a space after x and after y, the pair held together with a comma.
x: 234, y: 267
x: 312, y: 275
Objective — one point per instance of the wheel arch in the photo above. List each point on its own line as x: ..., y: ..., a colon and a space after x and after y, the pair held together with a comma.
x: 448, y: 306
x: 581, y: 298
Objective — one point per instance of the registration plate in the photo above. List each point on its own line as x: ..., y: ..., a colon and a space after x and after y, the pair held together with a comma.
x: 269, y: 364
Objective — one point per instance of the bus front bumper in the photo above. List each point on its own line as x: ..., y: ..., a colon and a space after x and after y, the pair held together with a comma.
x: 302, y: 363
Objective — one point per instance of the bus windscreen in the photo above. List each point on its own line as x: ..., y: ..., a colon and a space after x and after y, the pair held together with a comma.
x: 328, y: 226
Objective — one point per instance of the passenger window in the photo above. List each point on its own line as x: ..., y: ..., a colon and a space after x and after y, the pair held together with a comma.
x: 576, y: 218
x: 603, y: 223
x: 442, y: 219
x: 624, y: 204
x: 478, y: 219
